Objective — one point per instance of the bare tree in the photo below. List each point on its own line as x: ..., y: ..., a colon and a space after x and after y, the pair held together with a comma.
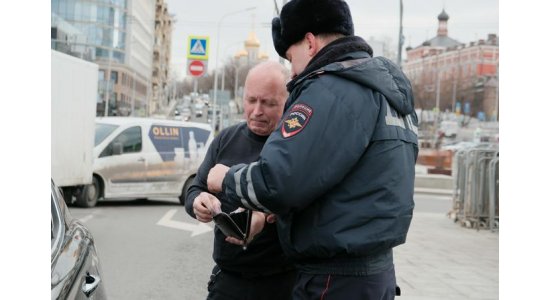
x: 233, y: 73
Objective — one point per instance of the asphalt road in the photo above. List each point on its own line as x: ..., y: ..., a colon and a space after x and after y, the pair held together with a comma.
x: 154, y: 250
x: 141, y: 259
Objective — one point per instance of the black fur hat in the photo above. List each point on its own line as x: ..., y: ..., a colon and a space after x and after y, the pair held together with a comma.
x: 299, y: 17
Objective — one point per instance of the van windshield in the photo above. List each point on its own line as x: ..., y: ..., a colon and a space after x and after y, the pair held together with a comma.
x: 102, y: 131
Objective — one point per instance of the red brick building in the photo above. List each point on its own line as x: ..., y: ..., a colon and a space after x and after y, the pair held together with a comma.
x: 447, y: 74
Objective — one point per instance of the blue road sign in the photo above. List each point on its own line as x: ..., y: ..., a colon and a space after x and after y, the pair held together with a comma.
x: 198, y: 47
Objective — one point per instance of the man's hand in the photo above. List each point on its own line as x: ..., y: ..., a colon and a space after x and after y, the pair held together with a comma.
x: 215, y: 178
x: 256, y: 226
x: 205, y: 206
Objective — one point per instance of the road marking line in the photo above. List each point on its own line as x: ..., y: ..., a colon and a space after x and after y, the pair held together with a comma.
x: 86, y: 218
x: 195, y: 229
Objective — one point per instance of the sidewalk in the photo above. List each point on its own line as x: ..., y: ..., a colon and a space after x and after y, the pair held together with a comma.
x: 442, y: 260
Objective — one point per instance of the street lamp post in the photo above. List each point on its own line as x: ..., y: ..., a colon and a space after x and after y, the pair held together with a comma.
x: 106, y: 95
x: 400, y: 41
x: 236, y: 83
x: 216, y: 65
x: 223, y: 79
x: 237, y: 69
x: 438, y: 82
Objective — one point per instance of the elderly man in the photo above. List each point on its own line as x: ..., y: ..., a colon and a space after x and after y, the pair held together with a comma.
x: 261, y: 271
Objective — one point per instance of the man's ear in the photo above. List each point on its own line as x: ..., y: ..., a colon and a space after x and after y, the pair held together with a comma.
x: 312, y: 44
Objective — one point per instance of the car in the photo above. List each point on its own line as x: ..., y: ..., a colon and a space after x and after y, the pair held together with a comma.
x: 75, y: 267
x: 186, y: 112
x: 449, y: 128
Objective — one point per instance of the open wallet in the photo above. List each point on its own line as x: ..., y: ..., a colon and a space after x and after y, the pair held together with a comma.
x: 230, y: 228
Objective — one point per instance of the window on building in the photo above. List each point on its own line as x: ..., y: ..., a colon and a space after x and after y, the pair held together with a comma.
x: 101, y: 52
x: 118, y: 56
x: 114, y: 76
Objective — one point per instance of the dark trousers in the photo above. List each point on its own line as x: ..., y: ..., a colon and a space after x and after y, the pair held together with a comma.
x: 231, y: 286
x: 381, y: 286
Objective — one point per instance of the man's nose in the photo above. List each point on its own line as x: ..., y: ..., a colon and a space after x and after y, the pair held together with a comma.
x: 258, y: 109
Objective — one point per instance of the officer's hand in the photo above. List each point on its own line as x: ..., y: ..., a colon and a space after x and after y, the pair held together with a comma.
x: 205, y: 206
x: 256, y: 226
x: 215, y: 178
x: 271, y: 218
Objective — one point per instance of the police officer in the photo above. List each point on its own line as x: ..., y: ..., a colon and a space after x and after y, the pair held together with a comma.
x: 339, y: 170
x: 261, y: 271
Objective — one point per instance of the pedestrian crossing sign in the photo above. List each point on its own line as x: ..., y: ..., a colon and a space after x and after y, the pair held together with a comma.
x: 198, y: 47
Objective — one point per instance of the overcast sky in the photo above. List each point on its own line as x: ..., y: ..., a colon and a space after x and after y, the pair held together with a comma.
x: 469, y: 20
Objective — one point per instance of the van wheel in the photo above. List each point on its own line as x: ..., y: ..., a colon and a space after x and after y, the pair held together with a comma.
x: 184, y: 190
x: 89, y: 195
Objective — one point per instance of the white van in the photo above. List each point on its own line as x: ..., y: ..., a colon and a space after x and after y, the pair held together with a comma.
x: 144, y: 158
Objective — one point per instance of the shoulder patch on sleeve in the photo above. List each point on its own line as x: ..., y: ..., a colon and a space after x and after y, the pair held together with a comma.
x: 296, y: 120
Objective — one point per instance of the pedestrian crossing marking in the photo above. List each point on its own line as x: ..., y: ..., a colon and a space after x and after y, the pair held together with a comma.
x: 198, y: 48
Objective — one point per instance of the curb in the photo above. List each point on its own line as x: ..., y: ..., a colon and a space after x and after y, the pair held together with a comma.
x: 432, y: 191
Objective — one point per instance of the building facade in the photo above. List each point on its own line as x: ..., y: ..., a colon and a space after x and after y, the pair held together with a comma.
x: 161, y: 56
x: 118, y: 35
x: 137, y: 79
x: 449, y: 75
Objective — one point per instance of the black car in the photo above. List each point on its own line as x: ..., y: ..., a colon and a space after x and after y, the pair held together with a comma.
x: 74, y: 261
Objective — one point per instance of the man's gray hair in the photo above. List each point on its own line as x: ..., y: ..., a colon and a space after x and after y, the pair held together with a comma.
x: 270, y: 65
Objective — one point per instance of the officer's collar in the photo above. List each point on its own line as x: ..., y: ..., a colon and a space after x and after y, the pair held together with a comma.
x: 337, y: 50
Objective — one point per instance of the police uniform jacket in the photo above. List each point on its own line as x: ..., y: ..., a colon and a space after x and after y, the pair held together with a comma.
x: 339, y: 169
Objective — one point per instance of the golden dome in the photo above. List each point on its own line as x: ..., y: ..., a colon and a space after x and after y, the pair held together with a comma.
x: 263, y: 55
x: 252, y: 40
x: 241, y: 53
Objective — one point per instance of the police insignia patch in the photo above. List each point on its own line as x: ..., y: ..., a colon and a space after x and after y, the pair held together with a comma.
x: 296, y: 120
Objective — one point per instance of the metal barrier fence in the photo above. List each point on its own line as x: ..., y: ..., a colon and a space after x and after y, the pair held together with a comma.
x: 475, y: 192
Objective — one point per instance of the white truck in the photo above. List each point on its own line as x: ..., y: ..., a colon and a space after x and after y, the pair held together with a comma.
x: 74, y: 85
